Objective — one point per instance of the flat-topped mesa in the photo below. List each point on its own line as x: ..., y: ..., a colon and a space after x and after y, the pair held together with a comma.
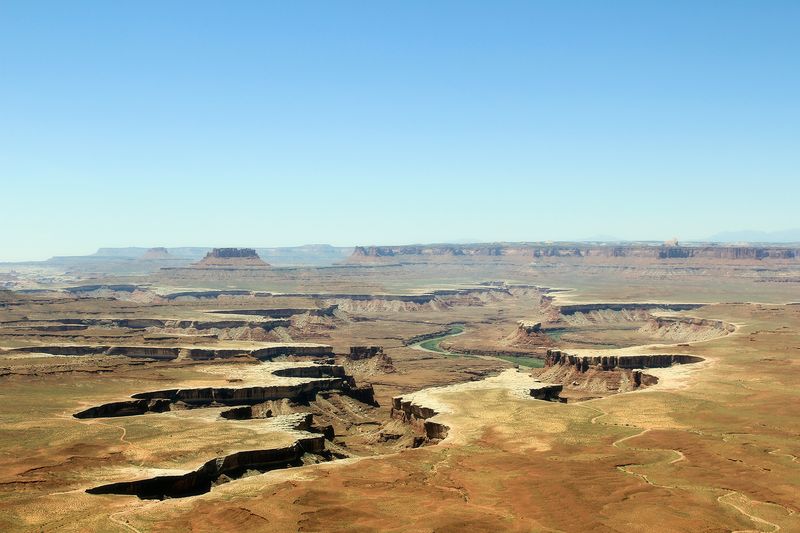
x: 592, y: 376
x: 580, y: 250
x: 582, y: 363
x: 231, y: 258
x: 158, y: 253
x: 229, y: 253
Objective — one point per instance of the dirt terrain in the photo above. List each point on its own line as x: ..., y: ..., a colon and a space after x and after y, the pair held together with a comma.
x: 439, y: 390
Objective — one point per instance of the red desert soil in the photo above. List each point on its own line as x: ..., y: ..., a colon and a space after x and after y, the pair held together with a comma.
x: 712, y: 446
x: 714, y: 449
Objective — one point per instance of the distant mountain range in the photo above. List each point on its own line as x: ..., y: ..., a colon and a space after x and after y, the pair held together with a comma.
x: 783, y: 236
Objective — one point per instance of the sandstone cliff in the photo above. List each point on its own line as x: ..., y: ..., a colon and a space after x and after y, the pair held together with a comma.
x: 586, y: 377
x: 582, y: 363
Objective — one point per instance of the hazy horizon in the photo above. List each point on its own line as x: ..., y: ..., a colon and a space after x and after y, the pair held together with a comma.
x: 357, y: 123
x: 729, y: 238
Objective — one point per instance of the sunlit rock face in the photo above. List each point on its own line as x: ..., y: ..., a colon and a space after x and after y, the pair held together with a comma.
x: 231, y: 257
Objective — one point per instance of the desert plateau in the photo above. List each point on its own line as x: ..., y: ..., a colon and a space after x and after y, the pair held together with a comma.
x: 499, y: 387
x: 451, y: 266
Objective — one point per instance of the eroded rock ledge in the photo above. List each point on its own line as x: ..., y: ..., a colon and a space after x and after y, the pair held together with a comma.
x: 592, y: 376
x: 337, y: 414
x: 65, y: 324
x: 632, y: 306
x: 325, y: 378
x: 418, y: 416
x: 279, y: 313
x: 610, y: 362
x: 170, y: 352
x: 686, y: 328
x: 307, y: 449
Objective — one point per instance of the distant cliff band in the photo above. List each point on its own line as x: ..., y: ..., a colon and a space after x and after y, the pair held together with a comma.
x: 580, y: 250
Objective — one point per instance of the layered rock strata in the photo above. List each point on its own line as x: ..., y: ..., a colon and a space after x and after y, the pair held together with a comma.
x: 279, y: 313
x: 587, y: 308
x: 325, y: 378
x: 364, y: 352
x: 582, y: 363
x: 145, y: 323
x: 418, y: 416
x: 194, y: 353
x: 686, y: 328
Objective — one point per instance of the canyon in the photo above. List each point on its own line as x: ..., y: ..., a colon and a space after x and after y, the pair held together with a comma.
x: 423, y: 388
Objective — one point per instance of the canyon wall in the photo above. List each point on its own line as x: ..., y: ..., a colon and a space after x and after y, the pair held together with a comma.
x: 418, y: 416
x: 582, y: 363
x: 226, y: 468
x: 686, y: 329
x: 587, y: 308
x: 326, y: 378
x: 534, y: 250
x: 594, y: 376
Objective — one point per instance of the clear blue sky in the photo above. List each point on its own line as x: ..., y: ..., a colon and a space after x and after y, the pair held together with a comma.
x: 280, y: 123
